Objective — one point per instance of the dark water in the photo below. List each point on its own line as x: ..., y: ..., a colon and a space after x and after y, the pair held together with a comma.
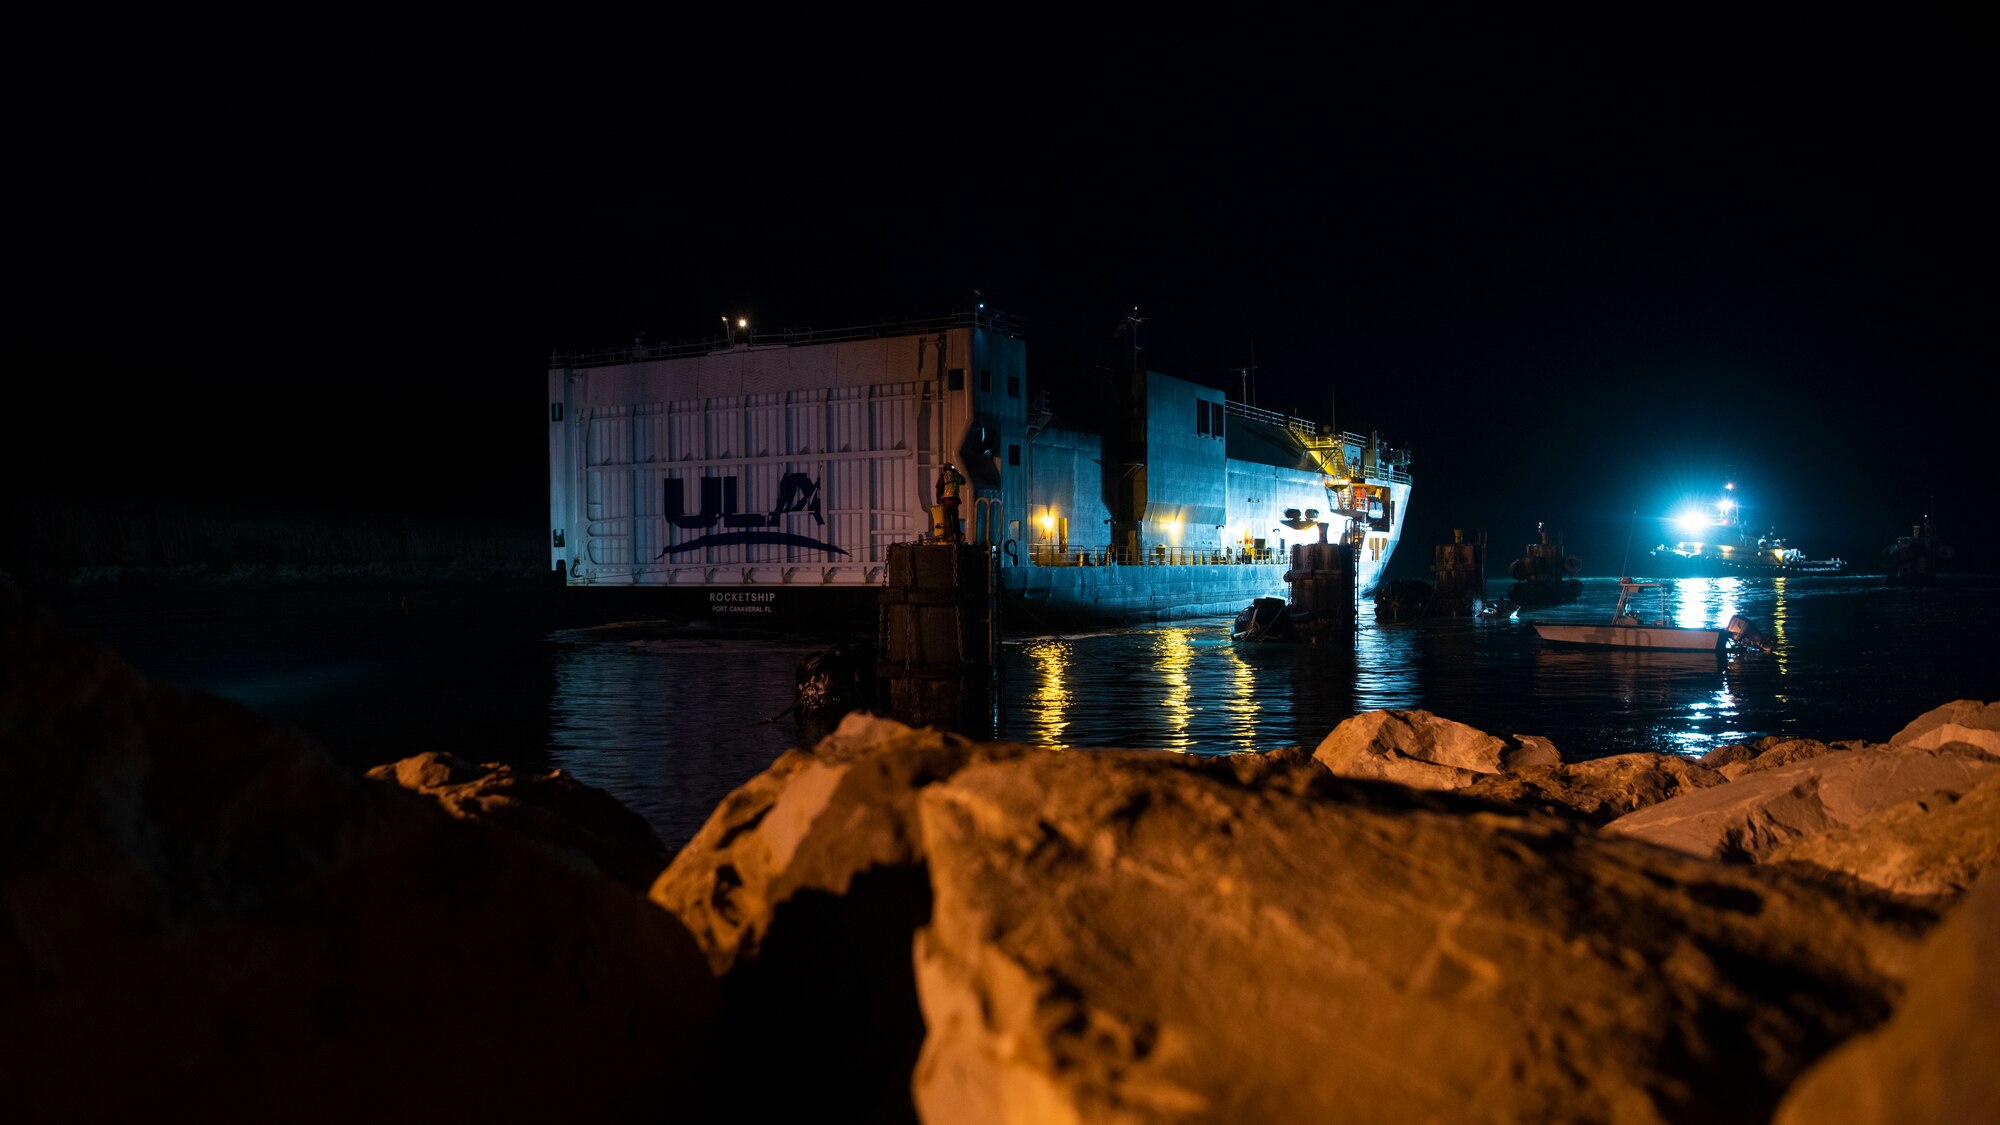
x: 670, y: 720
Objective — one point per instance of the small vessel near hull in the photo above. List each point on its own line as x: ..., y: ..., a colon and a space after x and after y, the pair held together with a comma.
x: 1913, y: 558
x: 1629, y: 629
x: 1321, y: 605
x: 1266, y: 619
x: 1544, y: 574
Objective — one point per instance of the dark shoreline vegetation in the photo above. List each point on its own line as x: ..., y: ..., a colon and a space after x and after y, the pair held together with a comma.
x: 1416, y: 920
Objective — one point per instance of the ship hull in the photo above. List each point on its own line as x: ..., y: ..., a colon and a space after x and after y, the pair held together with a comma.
x: 763, y: 485
x: 1049, y: 598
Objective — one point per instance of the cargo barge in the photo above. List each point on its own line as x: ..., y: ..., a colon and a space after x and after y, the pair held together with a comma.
x: 760, y: 479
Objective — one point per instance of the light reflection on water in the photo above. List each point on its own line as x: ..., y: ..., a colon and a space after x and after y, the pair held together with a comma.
x: 1186, y: 687
x: 669, y: 723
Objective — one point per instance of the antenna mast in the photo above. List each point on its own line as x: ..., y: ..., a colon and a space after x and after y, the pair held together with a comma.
x: 1135, y: 320
x: 1243, y: 373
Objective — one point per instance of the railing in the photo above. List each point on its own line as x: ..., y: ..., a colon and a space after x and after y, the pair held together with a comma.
x: 1392, y: 464
x: 1044, y: 554
x: 988, y: 319
x: 1272, y: 418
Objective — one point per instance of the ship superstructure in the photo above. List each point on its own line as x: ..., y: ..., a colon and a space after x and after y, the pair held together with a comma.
x: 763, y: 478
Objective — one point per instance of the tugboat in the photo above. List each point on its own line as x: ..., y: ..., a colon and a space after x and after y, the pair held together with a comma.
x: 1322, y: 581
x: 1460, y: 570
x: 1544, y: 575
x: 1913, y: 558
x: 1266, y: 619
x: 1719, y: 543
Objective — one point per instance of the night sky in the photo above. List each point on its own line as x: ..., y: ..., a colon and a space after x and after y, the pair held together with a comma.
x: 1580, y: 267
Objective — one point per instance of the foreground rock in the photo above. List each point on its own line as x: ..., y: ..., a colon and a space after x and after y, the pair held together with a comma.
x: 1737, y: 759
x: 210, y: 920
x: 809, y: 825
x: 1753, y: 816
x: 1967, y: 722
x: 1600, y: 790
x: 1116, y: 938
x: 1935, y: 1060
x: 1423, y: 751
x: 1928, y: 850
x: 804, y: 889
x: 580, y: 825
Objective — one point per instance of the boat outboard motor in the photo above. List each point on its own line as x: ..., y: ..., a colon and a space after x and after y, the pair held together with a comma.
x: 831, y: 683
x: 1746, y: 635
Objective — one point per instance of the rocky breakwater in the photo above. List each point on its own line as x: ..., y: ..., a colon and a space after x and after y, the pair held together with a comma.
x: 1420, y: 921
x: 1414, y: 920
x: 207, y: 919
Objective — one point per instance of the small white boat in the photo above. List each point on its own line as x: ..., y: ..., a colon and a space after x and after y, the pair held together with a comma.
x: 1629, y: 628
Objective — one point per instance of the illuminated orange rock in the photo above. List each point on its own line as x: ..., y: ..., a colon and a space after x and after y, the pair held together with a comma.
x: 1599, y: 790
x: 1424, y: 751
x: 1927, y: 850
x: 1738, y: 758
x: 1934, y: 1059
x: 1753, y: 816
x: 1119, y: 938
x: 209, y: 919
x: 809, y: 824
x: 1966, y: 721
x: 804, y: 888
x: 580, y: 824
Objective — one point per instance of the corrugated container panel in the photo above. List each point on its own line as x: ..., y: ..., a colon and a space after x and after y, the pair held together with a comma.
x: 892, y: 417
x: 609, y: 509
x: 649, y: 432
x: 684, y: 430
x: 847, y: 419
x: 849, y: 506
x: 725, y: 429
x: 765, y: 415
x: 889, y: 515
x: 610, y: 436
x: 806, y: 421
x: 648, y: 511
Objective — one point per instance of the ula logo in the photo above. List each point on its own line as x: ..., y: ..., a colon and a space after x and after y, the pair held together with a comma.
x: 797, y: 492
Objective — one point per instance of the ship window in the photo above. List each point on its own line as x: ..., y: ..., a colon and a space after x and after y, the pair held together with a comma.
x: 1013, y: 455
x: 955, y: 379
x: 1013, y: 386
x: 985, y: 380
x: 1201, y: 416
x: 555, y: 412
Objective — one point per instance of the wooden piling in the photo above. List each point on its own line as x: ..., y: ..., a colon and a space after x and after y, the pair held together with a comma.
x: 938, y: 635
